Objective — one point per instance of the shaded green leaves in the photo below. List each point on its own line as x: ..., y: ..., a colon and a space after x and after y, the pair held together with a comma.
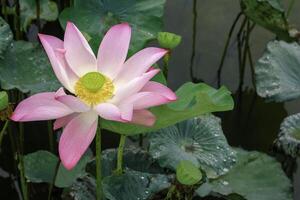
x: 142, y: 178
x: 133, y: 185
x: 82, y: 189
x: 6, y: 37
x: 134, y: 159
x: 199, y: 140
x: 26, y: 68
x: 193, y: 100
x: 48, y: 11
x: 268, y: 14
x: 40, y: 167
x: 278, y: 72
x: 256, y: 176
x: 97, y: 16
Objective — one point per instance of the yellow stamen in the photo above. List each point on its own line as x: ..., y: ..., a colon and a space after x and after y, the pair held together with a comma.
x: 94, y: 88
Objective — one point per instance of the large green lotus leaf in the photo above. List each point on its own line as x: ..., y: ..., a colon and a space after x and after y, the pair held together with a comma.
x: 26, y: 67
x: 65, y: 177
x: 97, y: 16
x: 199, y: 140
x: 256, y: 176
x: 289, y: 135
x: 193, y: 100
x: 278, y: 72
x: 134, y: 159
x: 40, y: 167
x: 268, y: 14
x: 6, y: 37
x: 134, y: 185
x: 82, y: 189
x: 48, y: 11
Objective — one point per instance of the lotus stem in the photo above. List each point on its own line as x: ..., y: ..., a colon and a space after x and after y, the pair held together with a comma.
x: 119, y: 169
x: 226, y: 47
x: 21, y: 163
x: 3, y: 131
x: 195, y: 14
x: 98, y: 162
x: 291, y: 5
x: 53, y: 180
x: 50, y: 136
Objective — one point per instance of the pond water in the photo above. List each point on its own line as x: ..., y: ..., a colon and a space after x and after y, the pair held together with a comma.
x: 254, y: 123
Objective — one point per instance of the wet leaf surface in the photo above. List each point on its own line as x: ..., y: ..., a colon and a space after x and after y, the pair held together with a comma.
x: 278, y: 72
x: 199, y: 140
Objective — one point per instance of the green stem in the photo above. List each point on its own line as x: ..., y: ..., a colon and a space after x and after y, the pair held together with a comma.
x: 22, y: 176
x: 119, y: 169
x: 38, y: 10
x: 226, y: 47
x: 17, y: 21
x: 195, y: 14
x: 50, y: 136
x: 98, y: 162
x: 291, y: 5
x: 21, y: 162
x: 166, y: 65
x: 53, y: 180
x: 3, y: 131
x: 13, y: 146
x: 4, y: 9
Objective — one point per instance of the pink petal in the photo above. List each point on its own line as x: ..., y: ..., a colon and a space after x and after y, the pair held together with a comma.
x: 152, y: 86
x: 134, y: 86
x: 113, y: 50
x: 42, y: 106
x: 60, y: 92
x: 110, y: 112
x: 139, y: 63
x: 76, y: 138
x: 63, y: 121
x: 61, y: 69
x: 79, y: 54
x: 144, y: 100
x: 143, y: 117
x: 73, y: 103
x: 126, y: 111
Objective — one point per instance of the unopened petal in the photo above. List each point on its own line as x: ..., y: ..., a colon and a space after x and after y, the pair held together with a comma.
x: 76, y: 138
x: 113, y: 50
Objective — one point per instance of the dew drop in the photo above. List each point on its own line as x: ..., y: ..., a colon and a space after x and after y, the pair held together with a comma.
x: 225, y: 183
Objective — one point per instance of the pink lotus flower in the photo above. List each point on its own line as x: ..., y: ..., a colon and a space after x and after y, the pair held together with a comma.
x: 110, y: 87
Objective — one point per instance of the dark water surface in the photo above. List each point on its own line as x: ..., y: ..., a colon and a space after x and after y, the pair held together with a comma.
x: 254, y: 123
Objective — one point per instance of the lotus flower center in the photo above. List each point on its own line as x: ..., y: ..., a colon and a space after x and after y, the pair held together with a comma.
x: 94, y: 88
